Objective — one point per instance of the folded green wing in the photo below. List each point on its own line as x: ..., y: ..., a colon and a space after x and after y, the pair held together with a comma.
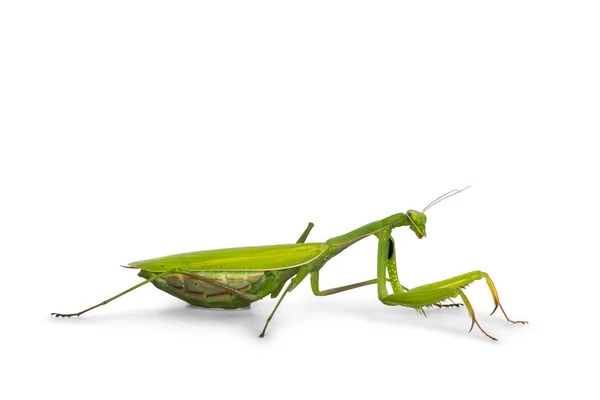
x: 260, y: 258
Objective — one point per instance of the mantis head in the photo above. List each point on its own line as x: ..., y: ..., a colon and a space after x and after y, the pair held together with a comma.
x: 417, y: 221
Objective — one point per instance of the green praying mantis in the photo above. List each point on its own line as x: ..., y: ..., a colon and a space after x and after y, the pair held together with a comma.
x: 236, y: 277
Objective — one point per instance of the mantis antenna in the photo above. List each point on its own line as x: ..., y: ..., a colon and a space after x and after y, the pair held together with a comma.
x: 444, y: 197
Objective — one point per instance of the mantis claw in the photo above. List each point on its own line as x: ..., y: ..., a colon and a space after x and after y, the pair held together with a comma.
x: 472, y: 315
x: 494, y: 310
x: 473, y: 322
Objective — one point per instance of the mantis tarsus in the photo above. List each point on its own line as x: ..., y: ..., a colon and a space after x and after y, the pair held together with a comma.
x: 236, y: 277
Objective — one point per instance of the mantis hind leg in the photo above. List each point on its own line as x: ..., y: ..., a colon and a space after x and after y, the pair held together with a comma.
x: 208, y: 281
x: 302, y: 273
x: 155, y: 277
x: 287, y: 289
x: 225, y: 288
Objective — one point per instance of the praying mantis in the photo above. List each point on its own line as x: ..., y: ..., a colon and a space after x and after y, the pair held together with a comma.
x: 237, y: 277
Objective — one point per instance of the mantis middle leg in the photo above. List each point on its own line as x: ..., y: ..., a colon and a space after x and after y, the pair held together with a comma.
x: 304, y: 235
x: 393, y: 278
x: 392, y: 273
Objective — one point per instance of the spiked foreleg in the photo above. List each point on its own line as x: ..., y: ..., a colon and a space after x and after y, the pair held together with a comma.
x: 497, y: 299
x: 429, y: 297
x: 392, y: 272
x: 426, y: 295
x: 463, y: 280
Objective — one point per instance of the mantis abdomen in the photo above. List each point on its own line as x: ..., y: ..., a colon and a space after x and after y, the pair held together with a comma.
x: 192, y: 290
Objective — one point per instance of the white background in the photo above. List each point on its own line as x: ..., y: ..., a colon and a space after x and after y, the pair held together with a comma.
x: 133, y: 130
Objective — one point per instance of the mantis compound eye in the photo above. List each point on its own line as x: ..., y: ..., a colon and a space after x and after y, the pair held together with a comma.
x: 417, y: 222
